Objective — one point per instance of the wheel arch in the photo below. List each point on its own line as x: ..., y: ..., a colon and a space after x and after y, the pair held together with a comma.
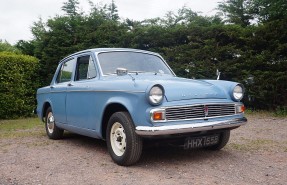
x: 46, y: 105
x: 109, y: 110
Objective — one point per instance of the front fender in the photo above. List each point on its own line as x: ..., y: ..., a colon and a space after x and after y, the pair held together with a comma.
x: 135, y: 103
x: 226, y: 86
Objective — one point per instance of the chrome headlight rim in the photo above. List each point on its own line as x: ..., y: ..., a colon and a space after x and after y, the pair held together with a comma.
x: 156, y: 94
x: 237, y: 92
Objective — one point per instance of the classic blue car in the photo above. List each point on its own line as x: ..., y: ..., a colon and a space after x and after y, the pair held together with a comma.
x: 125, y: 95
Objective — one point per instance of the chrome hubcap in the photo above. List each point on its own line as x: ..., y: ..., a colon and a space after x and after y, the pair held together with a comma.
x: 50, y: 123
x: 118, y: 139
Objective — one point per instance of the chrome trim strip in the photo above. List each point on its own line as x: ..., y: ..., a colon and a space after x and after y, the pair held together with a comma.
x: 203, y: 118
x: 189, y: 128
x: 93, y: 91
x: 105, y: 91
x: 215, y: 103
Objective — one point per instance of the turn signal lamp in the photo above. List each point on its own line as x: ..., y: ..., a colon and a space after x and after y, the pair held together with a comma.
x: 158, y: 115
x: 240, y: 109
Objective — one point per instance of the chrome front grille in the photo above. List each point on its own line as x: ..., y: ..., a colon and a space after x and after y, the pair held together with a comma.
x: 199, y: 111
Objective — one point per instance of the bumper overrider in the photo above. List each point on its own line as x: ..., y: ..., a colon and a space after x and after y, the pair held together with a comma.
x: 189, y: 128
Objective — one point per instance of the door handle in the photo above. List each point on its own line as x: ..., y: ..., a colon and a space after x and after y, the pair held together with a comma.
x: 69, y: 84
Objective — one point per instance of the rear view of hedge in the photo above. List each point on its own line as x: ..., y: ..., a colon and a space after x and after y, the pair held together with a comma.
x: 18, y: 84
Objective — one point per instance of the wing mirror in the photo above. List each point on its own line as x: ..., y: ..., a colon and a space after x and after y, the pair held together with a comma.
x: 122, y: 71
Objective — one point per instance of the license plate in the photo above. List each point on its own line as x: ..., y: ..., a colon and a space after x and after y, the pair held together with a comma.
x: 199, y: 142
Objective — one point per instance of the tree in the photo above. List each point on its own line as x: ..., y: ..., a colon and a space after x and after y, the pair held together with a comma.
x: 113, y: 11
x: 5, y: 46
x: 27, y: 47
x: 270, y: 10
x: 193, y: 45
x: 237, y: 11
x: 71, y: 7
x: 183, y: 15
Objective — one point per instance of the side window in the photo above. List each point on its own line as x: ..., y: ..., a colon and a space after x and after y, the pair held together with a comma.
x: 85, y: 68
x: 66, y: 72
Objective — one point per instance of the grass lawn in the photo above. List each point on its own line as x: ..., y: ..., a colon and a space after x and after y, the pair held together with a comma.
x: 20, y: 127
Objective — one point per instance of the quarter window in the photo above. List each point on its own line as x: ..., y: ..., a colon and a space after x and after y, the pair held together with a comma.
x: 85, y: 68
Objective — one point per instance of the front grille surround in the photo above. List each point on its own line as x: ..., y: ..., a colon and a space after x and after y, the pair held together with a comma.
x: 199, y: 111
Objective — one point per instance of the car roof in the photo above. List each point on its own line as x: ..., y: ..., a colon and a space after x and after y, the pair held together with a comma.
x: 108, y: 50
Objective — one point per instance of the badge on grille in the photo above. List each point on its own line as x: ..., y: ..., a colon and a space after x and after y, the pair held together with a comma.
x: 205, y: 110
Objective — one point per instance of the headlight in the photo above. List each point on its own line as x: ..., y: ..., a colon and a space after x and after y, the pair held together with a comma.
x: 238, y: 92
x: 156, y: 95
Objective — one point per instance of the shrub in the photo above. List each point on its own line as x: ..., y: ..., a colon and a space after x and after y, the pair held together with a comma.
x: 18, y: 83
x: 281, y: 111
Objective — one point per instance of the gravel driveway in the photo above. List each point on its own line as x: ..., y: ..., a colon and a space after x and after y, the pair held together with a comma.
x: 256, y: 154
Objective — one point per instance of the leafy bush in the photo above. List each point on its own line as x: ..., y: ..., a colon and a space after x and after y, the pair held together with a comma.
x: 18, y: 83
x: 281, y: 111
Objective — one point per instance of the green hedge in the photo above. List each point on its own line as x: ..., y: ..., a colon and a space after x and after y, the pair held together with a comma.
x: 18, y: 84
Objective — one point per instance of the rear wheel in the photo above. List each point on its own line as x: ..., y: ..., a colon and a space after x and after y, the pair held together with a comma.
x: 223, y: 140
x: 124, y: 145
x: 53, y: 132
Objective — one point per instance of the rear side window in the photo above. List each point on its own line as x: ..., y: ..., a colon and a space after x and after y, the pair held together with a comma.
x: 66, y: 72
x: 85, y: 68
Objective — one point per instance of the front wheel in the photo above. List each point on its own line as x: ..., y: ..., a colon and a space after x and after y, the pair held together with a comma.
x: 223, y: 140
x: 53, y: 132
x: 124, y: 145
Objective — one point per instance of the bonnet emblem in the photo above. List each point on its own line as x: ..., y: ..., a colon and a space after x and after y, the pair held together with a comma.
x: 205, y: 110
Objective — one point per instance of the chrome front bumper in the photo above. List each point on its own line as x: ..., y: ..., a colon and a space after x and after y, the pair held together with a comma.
x: 189, y: 128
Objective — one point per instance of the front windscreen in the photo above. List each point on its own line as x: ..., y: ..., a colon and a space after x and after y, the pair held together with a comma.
x: 132, y: 61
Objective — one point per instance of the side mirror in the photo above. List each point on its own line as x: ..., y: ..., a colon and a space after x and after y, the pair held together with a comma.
x: 122, y: 71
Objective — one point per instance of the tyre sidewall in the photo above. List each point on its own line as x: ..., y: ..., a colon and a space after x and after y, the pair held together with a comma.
x: 57, y: 132
x: 224, y: 138
x: 125, y: 121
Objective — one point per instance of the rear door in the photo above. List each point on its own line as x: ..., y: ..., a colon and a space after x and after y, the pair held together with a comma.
x: 59, y: 90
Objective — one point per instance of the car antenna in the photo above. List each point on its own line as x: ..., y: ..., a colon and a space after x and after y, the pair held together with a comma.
x: 218, y: 74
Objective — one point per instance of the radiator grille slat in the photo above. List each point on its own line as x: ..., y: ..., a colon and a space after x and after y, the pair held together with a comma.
x: 199, y: 111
